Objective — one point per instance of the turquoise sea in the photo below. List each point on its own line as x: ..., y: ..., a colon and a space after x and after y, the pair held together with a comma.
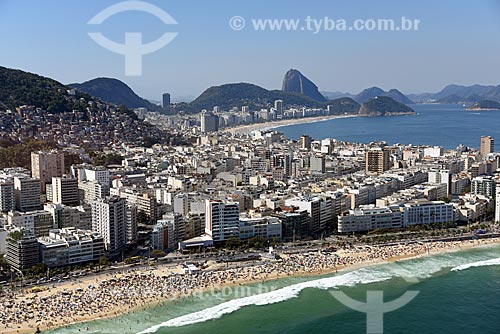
x: 459, y: 292
x: 434, y: 124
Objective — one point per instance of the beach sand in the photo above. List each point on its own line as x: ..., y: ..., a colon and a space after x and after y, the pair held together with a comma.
x: 294, y: 265
x: 247, y: 129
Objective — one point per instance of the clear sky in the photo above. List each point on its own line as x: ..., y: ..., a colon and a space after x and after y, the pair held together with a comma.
x: 458, y: 41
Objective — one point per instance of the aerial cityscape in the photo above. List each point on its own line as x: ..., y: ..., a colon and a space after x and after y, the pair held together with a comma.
x: 243, y: 185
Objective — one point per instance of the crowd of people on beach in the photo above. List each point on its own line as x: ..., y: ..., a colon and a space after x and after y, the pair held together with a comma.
x: 116, y: 293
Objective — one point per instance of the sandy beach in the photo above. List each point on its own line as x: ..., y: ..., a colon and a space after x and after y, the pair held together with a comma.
x: 247, y: 129
x: 109, y: 295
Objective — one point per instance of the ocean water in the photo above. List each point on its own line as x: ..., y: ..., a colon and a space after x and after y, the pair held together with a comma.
x: 434, y: 124
x: 458, y: 292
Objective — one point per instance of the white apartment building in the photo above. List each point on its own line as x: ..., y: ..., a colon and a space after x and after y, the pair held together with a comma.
x: 93, y: 190
x: 369, y: 217
x: 70, y: 246
x: 262, y: 227
x: 416, y: 212
x: 37, y: 223
x: 483, y: 185
x: 109, y: 219
x: 320, y: 210
x: 221, y: 220
x: 497, y: 205
x: 143, y: 199
x: 65, y: 191
x: 441, y: 176
x: 84, y: 173
x: 427, y: 212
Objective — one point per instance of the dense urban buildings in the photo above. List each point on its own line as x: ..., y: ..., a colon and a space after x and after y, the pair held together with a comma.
x: 224, y: 187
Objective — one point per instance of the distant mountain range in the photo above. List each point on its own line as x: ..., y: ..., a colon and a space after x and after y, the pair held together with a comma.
x: 335, y: 95
x: 239, y: 94
x: 449, y: 94
x: 297, y: 90
x: 22, y: 88
x: 114, y: 91
x: 372, y: 92
x: 460, y: 94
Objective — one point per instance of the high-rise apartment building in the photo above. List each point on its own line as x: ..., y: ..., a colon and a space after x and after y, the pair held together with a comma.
x: 109, y: 219
x: 209, y: 122
x: 317, y: 164
x: 7, y: 195
x: 27, y: 192
x: 483, y: 185
x: 45, y: 165
x: 93, y: 190
x: 497, y: 204
x: 90, y: 173
x: 65, y: 191
x: 487, y: 145
x: 305, y: 142
x: 165, y: 102
x: 131, y: 223
x: 377, y: 161
x: 221, y: 220
x: 22, y: 251
x: 37, y: 223
x: 441, y: 176
x: 162, y: 236
x: 278, y: 105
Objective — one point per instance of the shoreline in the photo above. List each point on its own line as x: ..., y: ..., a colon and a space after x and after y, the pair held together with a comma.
x: 482, y: 109
x: 361, y: 256
x: 248, y: 128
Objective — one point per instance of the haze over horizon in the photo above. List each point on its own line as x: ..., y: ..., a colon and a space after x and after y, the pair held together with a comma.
x: 456, y: 44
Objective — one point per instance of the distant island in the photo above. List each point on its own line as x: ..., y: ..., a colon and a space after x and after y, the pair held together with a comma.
x: 384, y: 106
x: 485, y: 105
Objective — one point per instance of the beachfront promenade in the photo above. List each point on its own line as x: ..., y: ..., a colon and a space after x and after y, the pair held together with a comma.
x: 110, y: 295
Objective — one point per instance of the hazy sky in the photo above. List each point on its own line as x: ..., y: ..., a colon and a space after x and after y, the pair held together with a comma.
x: 457, y: 42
